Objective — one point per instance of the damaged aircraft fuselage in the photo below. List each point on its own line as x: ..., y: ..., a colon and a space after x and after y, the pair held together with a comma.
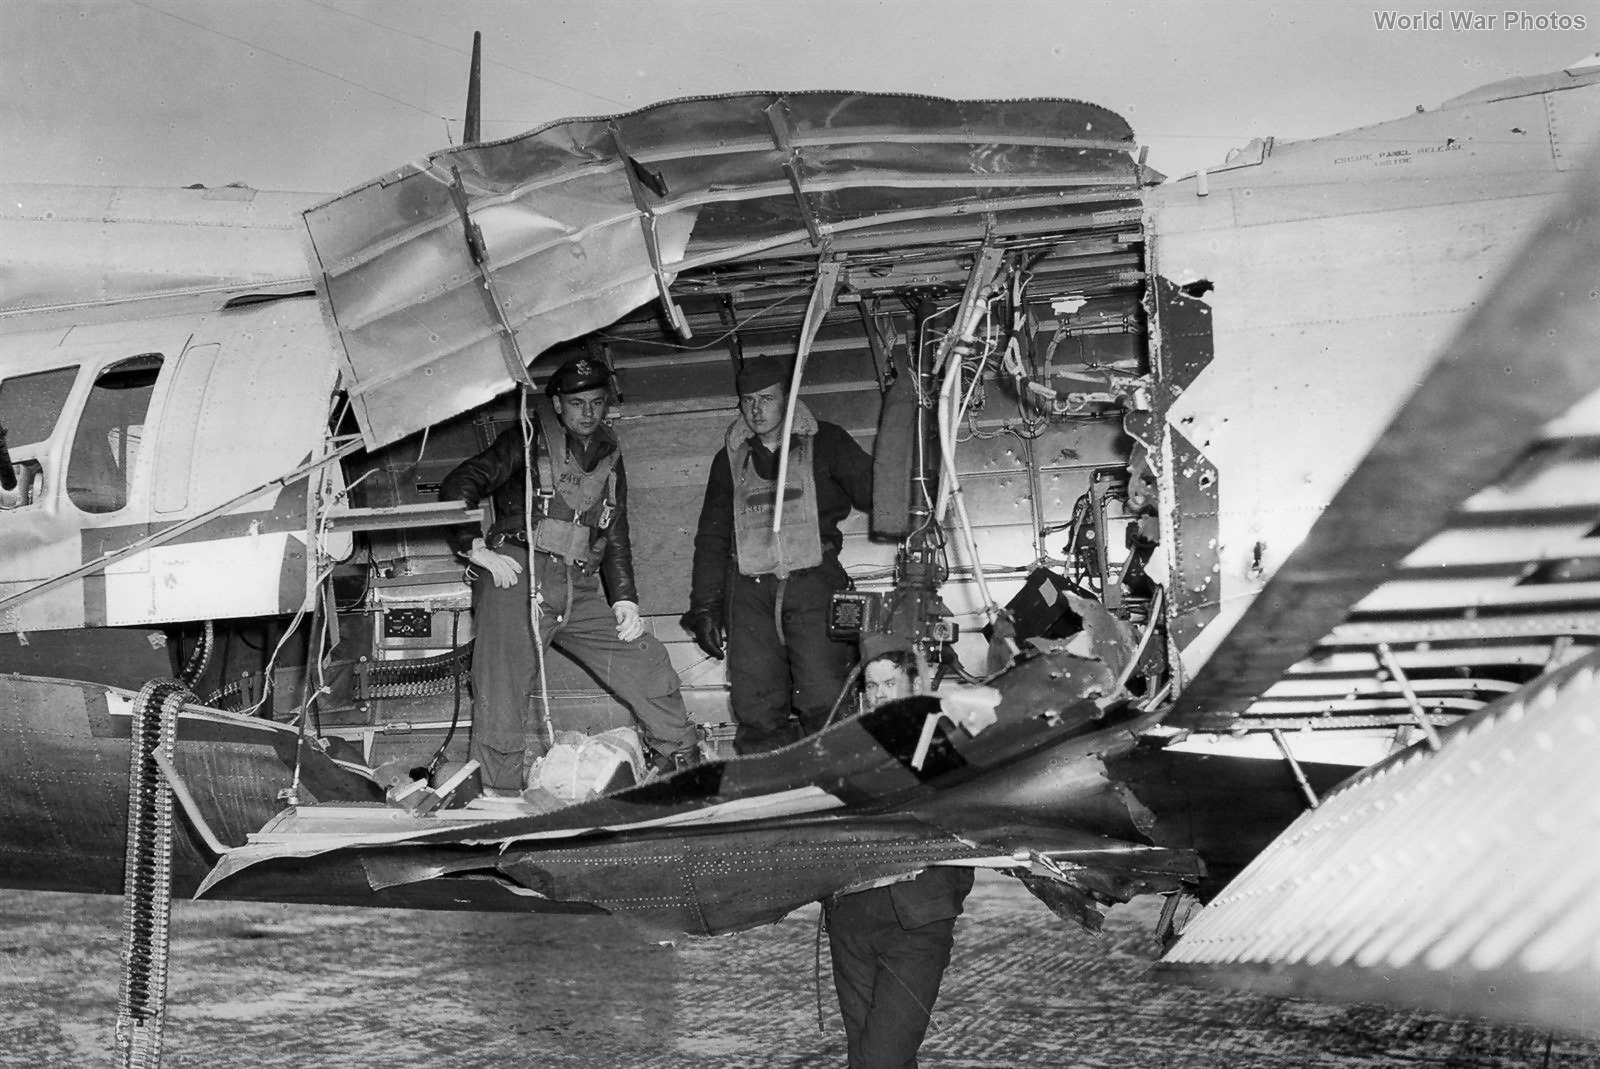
x: 1122, y: 406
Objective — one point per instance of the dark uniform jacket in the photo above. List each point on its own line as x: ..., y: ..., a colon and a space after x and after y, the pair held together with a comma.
x: 935, y: 894
x: 498, y: 471
x: 843, y: 477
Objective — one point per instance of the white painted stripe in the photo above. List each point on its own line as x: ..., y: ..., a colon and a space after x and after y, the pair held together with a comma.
x: 220, y: 577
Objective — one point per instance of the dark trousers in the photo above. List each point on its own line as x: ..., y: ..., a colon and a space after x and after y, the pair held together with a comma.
x: 887, y: 977
x: 505, y: 669
x: 780, y: 658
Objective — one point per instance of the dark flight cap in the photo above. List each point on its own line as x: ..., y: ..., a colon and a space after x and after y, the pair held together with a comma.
x: 578, y: 374
x: 759, y: 372
x: 874, y: 645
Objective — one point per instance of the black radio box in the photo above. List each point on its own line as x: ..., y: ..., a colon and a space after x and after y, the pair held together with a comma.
x: 853, y: 612
x: 1040, y: 608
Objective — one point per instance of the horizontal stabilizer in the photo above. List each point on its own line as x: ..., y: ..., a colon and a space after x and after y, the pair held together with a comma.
x: 1465, y: 880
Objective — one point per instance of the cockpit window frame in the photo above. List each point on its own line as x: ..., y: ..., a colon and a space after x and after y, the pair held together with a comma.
x: 57, y: 400
x: 107, y: 409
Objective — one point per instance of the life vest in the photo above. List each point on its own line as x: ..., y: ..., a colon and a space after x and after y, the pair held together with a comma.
x: 576, y: 507
x: 799, y: 544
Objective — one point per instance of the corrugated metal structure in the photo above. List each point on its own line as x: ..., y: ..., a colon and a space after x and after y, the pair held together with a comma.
x: 1466, y: 879
x: 444, y: 279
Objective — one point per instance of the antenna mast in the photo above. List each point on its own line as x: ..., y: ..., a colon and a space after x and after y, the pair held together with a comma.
x: 469, y: 133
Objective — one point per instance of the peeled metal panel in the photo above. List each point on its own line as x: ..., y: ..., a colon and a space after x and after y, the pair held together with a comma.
x: 1465, y: 880
x: 421, y: 343
x: 564, y: 236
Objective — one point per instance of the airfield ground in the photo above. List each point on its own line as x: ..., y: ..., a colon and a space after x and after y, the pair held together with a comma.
x: 275, y: 987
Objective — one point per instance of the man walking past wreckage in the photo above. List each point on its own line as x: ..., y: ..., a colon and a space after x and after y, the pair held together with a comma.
x: 890, y: 944
x: 766, y: 594
x: 579, y: 537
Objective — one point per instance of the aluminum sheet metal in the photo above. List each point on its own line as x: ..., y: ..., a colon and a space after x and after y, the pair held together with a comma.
x: 1465, y: 879
x: 585, y: 220
x: 89, y: 253
x: 1498, y: 433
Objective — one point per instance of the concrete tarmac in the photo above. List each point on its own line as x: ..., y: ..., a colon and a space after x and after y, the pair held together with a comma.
x: 276, y: 986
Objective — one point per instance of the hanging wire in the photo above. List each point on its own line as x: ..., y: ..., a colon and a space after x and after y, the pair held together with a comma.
x: 317, y: 503
x: 324, y: 523
x: 455, y: 679
x: 535, y: 603
x: 738, y: 326
x: 467, y: 52
x: 288, y: 59
x: 266, y: 675
x: 844, y: 692
x: 948, y: 420
x: 816, y: 974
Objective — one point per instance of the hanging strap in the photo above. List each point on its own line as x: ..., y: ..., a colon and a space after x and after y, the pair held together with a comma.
x: 554, y: 435
x: 535, y: 597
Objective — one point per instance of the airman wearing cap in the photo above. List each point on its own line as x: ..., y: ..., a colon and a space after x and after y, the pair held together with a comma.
x: 578, y: 544
x: 890, y: 944
x: 761, y: 597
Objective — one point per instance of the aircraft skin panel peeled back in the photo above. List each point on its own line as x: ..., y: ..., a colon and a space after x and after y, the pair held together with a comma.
x: 1332, y: 272
x: 444, y: 278
x: 422, y: 337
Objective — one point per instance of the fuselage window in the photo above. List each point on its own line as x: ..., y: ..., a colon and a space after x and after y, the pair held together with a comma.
x: 105, y: 450
x: 30, y: 405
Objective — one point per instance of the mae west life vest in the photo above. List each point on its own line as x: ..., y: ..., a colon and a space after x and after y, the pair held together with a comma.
x: 576, y: 506
x: 799, y: 544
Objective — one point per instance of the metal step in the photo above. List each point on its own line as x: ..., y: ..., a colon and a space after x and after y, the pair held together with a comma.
x: 392, y: 517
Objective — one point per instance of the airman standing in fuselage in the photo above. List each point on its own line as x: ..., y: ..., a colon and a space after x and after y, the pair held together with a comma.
x: 767, y: 594
x: 580, y: 529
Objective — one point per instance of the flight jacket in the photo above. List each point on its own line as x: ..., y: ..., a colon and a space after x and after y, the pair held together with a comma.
x: 497, y: 472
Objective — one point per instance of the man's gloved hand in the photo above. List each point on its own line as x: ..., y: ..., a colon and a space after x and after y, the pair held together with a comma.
x: 501, y: 568
x: 707, y: 634
x: 629, y: 626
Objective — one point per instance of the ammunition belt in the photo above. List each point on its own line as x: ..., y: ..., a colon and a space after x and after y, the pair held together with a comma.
x: 227, y: 697
x: 413, y: 678
x: 416, y: 678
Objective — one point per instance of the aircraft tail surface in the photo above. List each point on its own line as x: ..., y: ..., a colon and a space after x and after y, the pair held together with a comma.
x: 1465, y: 880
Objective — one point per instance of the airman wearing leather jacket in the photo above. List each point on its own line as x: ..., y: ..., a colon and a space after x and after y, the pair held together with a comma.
x: 579, y: 528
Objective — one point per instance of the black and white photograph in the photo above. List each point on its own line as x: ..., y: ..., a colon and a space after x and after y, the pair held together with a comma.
x: 799, y: 533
